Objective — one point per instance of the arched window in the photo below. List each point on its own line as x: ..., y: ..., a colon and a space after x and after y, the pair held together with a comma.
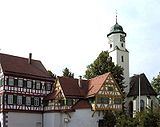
x: 131, y: 108
x: 142, y: 105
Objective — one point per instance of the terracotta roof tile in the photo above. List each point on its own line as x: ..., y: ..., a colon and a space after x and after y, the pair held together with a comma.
x: 52, y: 96
x: 81, y: 104
x: 71, y: 87
x: 96, y: 83
x: 19, y: 66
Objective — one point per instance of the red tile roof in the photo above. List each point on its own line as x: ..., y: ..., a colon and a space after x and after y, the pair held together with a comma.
x: 71, y: 87
x: 81, y: 104
x: 96, y: 83
x: 19, y: 66
x: 52, y: 95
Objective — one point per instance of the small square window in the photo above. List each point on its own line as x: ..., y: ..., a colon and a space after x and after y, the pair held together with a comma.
x: 117, y: 101
x: 110, y: 88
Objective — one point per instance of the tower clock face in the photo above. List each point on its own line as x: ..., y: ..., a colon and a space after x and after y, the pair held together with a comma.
x: 122, y: 38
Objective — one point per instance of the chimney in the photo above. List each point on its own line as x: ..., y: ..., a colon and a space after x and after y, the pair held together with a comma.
x: 30, y: 58
x: 79, y: 81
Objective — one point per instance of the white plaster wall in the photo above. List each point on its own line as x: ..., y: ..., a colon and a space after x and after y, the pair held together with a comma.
x: 146, y: 101
x: 1, y: 119
x: 83, y: 118
x: 53, y: 119
x: 114, y: 39
x: 24, y: 119
x: 116, y: 58
x: 80, y: 118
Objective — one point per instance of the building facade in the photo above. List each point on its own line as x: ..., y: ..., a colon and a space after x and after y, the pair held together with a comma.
x: 24, y: 83
x: 30, y: 97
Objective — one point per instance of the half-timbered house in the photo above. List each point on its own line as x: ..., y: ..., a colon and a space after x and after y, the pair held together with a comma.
x: 23, y: 84
x: 81, y: 103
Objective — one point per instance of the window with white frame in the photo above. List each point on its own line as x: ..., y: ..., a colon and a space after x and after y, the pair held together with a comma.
x: 28, y: 101
x: 10, y: 81
x: 20, y: 83
x: 36, y: 101
x: 10, y: 99
x: 19, y: 100
x: 48, y: 86
x: 29, y: 84
x: 38, y: 85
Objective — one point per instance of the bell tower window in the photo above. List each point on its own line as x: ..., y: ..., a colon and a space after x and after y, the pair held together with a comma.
x: 122, y: 44
x: 122, y: 38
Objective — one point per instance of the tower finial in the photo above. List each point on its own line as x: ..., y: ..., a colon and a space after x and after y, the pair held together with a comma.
x: 116, y: 16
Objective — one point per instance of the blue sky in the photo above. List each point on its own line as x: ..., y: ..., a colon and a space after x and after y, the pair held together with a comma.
x: 71, y: 33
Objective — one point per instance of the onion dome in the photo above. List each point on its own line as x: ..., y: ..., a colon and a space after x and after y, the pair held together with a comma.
x: 116, y: 29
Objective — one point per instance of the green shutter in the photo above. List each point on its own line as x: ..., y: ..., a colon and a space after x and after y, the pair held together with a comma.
x: 32, y: 101
x: 39, y: 101
x: 15, y: 82
x: 7, y: 81
x: 24, y: 84
x: 14, y: 99
x: 24, y: 100
x: 6, y: 98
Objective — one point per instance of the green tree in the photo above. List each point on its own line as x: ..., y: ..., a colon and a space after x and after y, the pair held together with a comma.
x: 51, y: 74
x: 109, y: 118
x: 156, y: 84
x: 104, y: 64
x: 67, y: 73
x: 148, y: 118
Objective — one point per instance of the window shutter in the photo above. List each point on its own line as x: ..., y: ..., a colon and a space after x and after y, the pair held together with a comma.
x: 7, y: 97
x: 32, y: 101
x: 14, y: 99
x: 24, y: 84
x: 7, y: 81
x: 15, y: 82
x: 39, y: 101
x: 24, y: 100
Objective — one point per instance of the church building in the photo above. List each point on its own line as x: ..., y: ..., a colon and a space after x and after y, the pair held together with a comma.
x: 139, y: 92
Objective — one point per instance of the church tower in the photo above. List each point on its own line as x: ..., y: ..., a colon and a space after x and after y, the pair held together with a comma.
x: 117, y: 50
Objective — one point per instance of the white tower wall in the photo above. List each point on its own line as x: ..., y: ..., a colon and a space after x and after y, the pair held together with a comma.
x: 119, y: 54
